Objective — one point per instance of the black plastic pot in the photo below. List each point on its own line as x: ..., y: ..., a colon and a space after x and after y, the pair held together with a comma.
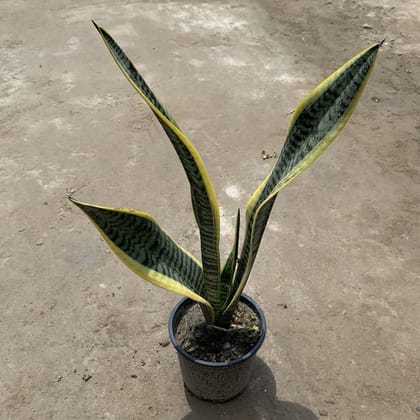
x: 218, y: 381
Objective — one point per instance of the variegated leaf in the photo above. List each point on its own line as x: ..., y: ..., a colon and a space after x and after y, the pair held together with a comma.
x: 203, y: 196
x: 150, y: 252
x: 230, y: 265
x: 315, y: 124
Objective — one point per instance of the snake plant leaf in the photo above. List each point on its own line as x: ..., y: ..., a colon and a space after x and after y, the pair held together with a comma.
x: 228, y: 271
x: 315, y: 124
x: 131, y: 73
x: 145, y: 248
x: 203, y: 196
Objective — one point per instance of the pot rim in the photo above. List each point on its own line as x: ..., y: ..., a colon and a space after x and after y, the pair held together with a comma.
x: 249, y: 301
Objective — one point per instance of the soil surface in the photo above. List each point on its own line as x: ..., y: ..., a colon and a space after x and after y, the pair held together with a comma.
x: 337, y: 275
x: 213, y: 344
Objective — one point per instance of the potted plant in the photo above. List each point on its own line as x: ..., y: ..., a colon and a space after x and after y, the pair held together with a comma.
x: 216, y: 329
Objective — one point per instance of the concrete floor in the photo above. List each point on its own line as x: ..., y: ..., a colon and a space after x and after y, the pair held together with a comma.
x: 80, y: 336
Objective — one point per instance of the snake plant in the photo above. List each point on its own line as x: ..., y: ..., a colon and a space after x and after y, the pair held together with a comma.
x: 150, y: 251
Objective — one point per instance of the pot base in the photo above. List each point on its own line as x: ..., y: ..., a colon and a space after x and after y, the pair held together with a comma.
x: 218, y: 401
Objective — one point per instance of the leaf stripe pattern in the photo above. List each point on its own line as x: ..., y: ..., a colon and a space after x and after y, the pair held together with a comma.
x: 203, y: 197
x: 209, y: 239
x: 131, y: 70
x: 229, y: 269
x: 315, y: 124
x: 146, y: 249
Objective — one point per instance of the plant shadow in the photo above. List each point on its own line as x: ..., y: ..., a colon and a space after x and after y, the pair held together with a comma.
x: 258, y: 401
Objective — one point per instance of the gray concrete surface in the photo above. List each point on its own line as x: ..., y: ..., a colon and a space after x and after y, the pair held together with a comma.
x: 80, y: 336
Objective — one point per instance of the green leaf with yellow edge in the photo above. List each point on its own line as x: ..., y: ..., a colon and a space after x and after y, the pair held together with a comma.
x: 149, y: 251
x: 228, y: 271
x: 203, y: 196
x: 315, y: 124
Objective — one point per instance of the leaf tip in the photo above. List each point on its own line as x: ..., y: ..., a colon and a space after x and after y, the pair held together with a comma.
x: 82, y: 206
x: 74, y: 201
x: 98, y: 28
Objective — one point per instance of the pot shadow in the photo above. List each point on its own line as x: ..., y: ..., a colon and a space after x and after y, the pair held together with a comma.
x: 258, y: 401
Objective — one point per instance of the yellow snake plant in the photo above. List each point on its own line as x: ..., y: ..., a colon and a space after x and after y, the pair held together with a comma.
x: 151, y: 253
